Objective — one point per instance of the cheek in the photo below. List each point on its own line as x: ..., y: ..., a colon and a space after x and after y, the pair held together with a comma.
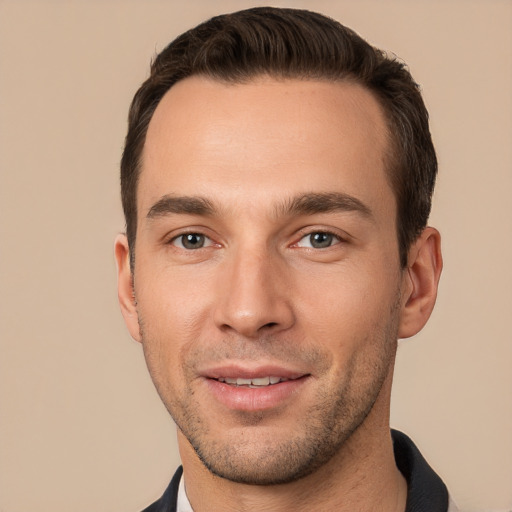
x: 171, y: 317
x: 343, y: 299
x: 349, y: 311
x: 170, y: 299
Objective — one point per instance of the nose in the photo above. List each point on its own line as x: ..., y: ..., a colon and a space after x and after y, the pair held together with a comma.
x: 254, y: 295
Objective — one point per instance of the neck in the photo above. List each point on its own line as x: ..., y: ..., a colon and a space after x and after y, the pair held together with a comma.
x: 362, y: 476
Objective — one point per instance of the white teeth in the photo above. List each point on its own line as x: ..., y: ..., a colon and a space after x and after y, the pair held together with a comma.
x: 257, y: 382
x: 263, y: 381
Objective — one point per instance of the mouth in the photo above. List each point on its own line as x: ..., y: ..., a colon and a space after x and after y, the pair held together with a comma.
x: 256, y: 389
x: 254, y: 383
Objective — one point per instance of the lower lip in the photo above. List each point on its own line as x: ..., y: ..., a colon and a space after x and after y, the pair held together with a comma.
x: 243, y: 398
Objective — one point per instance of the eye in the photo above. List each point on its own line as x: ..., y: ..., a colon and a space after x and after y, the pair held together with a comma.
x: 318, y: 240
x: 191, y: 241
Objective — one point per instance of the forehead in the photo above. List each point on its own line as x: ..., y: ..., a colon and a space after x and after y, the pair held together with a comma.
x: 268, y: 137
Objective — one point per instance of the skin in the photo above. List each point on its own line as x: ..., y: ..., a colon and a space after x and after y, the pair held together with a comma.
x: 290, y: 267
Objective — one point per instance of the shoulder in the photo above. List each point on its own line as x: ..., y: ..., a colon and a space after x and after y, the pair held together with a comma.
x: 425, y: 489
x: 167, y: 503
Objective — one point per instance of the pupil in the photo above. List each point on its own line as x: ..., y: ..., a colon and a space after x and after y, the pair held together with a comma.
x: 321, y: 240
x: 193, y: 241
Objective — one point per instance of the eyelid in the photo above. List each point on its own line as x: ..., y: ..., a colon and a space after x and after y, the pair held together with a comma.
x: 175, y: 237
x: 306, y: 232
x: 174, y: 241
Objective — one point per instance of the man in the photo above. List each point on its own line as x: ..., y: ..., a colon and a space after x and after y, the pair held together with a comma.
x: 276, y: 182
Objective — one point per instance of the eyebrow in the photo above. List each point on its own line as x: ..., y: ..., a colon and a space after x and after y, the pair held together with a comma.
x: 190, y: 205
x: 312, y: 203
x: 304, y: 204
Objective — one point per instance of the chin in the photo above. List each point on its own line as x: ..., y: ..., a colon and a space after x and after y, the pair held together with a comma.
x: 262, y: 455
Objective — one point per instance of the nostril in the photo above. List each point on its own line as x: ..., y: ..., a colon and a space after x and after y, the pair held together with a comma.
x: 269, y: 325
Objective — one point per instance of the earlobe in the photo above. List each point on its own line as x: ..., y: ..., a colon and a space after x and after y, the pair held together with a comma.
x: 125, y: 291
x: 419, y: 291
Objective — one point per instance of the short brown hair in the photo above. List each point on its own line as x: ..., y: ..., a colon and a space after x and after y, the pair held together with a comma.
x: 291, y: 43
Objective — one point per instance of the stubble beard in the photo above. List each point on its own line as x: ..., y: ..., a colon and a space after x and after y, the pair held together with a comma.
x: 328, y: 425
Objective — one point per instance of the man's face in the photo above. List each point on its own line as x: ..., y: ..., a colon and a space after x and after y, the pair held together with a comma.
x: 267, y: 274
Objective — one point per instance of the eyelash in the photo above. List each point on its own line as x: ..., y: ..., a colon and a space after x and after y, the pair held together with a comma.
x: 336, y: 236
x: 208, y: 241
x: 181, y: 237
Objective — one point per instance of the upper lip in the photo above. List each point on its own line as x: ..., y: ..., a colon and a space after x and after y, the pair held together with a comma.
x: 248, y: 372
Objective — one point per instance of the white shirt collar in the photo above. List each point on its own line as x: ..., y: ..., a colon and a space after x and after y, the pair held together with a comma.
x: 183, y: 504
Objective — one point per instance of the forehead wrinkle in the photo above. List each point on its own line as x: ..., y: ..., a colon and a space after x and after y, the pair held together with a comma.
x: 323, y: 202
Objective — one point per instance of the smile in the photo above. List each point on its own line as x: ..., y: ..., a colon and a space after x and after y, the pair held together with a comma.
x: 256, y: 392
x: 258, y: 382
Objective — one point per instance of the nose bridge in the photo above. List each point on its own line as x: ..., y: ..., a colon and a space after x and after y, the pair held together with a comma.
x: 254, y: 296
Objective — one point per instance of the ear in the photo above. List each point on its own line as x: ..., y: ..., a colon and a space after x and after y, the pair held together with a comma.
x: 421, y: 278
x: 125, y: 290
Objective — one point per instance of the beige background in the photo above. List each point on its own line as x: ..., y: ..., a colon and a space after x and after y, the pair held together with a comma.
x: 81, y: 427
